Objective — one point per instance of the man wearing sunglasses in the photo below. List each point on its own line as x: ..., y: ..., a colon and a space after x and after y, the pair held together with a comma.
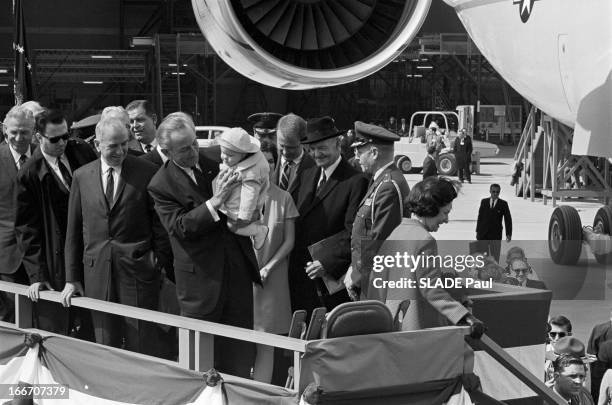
x: 42, y: 211
x: 559, y: 327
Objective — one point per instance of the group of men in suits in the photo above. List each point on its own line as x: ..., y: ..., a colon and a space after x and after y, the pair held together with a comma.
x: 105, y: 224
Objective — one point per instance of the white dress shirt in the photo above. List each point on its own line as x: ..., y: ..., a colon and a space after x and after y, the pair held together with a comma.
x: 116, y: 174
x: 144, y: 145
x: 16, y: 155
x: 52, y: 161
x: 329, y: 171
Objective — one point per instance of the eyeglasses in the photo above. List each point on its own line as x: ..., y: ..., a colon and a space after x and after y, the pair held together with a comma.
x: 56, y: 139
x: 517, y: 271
x: 557, y: 334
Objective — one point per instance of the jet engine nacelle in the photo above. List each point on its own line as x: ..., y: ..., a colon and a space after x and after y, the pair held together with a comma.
x: 305, y: 44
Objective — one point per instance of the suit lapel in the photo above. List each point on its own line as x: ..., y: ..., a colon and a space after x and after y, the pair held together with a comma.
x: 96, y: 175
x: 181, y: 178
x: 304, y: 164
x: 331, y: 183
x: 7, y: 157
x: 125, y: 175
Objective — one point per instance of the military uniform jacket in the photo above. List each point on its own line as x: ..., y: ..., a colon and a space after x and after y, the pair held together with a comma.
x: 378, y: 214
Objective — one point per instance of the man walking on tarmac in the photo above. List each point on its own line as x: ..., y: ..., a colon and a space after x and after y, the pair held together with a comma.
x: 489, y: 225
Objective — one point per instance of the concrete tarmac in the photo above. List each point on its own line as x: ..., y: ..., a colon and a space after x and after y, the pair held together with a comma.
x: 530, y: 223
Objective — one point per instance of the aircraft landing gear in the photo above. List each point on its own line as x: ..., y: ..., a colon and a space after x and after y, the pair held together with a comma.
x: 566, y: 234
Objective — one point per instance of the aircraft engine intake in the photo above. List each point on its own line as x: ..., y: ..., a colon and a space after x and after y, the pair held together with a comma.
x: 304, y: 44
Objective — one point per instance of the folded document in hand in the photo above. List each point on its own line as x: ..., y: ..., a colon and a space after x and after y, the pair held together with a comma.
x: 327, y: 244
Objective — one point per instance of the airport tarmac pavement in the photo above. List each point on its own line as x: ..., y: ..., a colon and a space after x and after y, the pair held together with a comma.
x: 530, y: 223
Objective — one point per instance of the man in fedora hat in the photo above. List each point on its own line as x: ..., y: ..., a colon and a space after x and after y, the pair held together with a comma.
x: 328, y: 198
x: 382, y: 208
x: 264, y: 125
x: 568, y: 345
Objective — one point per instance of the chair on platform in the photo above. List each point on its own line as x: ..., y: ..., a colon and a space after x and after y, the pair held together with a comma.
x: 358, y: 318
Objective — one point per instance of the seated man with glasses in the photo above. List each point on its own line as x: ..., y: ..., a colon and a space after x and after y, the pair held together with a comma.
x: 520, y: 269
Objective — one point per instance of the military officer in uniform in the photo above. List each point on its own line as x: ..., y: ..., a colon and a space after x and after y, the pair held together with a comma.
x: 264, y: 125
x: 382, y: 208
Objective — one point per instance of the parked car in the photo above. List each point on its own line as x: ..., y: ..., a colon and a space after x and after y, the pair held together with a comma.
x: 206, y: 135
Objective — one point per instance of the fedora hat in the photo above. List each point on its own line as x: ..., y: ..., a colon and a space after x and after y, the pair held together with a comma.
x: 320, y: 129
x: 238, y: 140
x: 572, y: 345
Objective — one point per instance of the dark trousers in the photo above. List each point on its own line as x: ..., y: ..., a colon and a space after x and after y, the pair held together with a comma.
x: 492, y: 247
x: 7, y: 301
x: 234, y: 307
x: 465, y: 171
x: 72, y: 321
x: 112, y: 330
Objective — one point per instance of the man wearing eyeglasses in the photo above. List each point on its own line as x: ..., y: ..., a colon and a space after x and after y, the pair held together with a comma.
x: 43, y: 189
x: 521, y: 270
x: 489, y: 224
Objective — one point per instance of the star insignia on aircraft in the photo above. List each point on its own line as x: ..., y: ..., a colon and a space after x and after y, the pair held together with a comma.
x: 525, y: 8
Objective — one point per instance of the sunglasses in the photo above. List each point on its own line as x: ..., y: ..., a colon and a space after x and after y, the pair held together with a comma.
x: 517, y: 271
x: 56, y: 139
x: 555, y: 334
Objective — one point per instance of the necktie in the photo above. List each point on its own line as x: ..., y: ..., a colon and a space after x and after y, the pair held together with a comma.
x: 197, y: 174
x: 22, y: 160
x: 65, y: 172
x: 284, y: 180
x: 110, y: 187
x: 321, y: 183
x: 148, y: 148
x: 493, y: 203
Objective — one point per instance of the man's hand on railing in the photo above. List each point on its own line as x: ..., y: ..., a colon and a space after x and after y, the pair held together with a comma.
x: 477, y: 327
x: 33, y: 290
x: 71, y: 289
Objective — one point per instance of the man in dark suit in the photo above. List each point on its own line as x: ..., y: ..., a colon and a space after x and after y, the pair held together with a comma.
x: 19, y: 129
x: 382, y: 208
x: 214, y: 268
x: 43, y: 185
x: 463, y: 156
x: 114, y: 238
x: 143, y: 121
x: 328, y: 197
x: 489, y: 225
x: 597, y: 346
x: 429, y: 164
x: 290, y: 131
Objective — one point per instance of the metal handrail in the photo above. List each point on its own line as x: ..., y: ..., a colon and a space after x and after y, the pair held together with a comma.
x: 196, y: 343
x: 196, y: 337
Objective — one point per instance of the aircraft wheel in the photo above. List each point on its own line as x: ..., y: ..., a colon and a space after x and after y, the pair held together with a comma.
x: 564, y: 235
x: 603, y: 218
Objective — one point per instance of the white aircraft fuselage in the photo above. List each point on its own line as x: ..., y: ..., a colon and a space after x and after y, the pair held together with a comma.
x: 555, y: 53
